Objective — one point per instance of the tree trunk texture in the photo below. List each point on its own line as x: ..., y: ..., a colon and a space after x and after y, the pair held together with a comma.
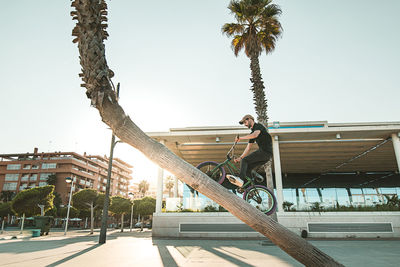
x: 260, y: 104
x: 90, y: 33
x: 22, y: 223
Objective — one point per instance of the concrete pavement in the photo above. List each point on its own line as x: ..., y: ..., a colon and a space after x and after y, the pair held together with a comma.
x: 79, y: 248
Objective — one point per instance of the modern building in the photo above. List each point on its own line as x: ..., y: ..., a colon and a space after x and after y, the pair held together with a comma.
x: 350, y: 164
x: 27, y: 170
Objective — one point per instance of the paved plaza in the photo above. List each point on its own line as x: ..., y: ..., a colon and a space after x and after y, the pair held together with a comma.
x: 79, y: 248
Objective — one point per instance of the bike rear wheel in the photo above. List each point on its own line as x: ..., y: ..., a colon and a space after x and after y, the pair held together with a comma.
x: 210, y: 168
x: 261, y: 198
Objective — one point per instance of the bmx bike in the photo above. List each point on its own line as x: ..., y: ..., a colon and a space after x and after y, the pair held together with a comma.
x: 258, y: 196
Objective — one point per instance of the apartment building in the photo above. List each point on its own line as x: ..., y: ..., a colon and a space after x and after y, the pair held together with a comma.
x: 28, y: 170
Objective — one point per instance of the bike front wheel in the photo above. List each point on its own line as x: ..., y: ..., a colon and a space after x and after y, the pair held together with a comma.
x: 261, y: 198
x: 211, y: 168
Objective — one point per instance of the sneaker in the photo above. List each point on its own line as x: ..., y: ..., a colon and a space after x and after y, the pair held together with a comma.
x: 235, y: 180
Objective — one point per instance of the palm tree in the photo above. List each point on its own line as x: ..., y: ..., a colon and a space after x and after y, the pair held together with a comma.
x: 169, y: 184
x: 90, y: 32
x: 143, y: 187
x: 256, y: 30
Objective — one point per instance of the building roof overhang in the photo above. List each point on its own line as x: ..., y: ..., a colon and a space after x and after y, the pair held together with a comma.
x: 305, y: 147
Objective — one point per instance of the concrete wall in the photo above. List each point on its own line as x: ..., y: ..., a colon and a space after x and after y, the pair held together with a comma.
x: 168, y: 224
x: 297, y: 221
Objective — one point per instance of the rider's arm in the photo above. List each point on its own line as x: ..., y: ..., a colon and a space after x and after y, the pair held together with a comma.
x: 253, y: 135
x: 246, y: 151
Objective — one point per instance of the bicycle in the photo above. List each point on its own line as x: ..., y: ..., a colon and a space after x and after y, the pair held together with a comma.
x: 257, y: 195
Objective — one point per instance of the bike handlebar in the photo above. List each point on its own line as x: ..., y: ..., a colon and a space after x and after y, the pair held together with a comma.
x: 232, y: 148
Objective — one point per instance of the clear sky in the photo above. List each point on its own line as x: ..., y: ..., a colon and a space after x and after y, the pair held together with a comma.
x: 336, y: 61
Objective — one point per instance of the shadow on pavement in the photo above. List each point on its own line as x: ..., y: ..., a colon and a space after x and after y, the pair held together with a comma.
x: 215, y: 247
x: 44, y: 244
x: 166, y: 257
x: 73, y: 256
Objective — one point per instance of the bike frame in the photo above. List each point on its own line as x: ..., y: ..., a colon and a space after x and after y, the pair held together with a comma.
x: 248, y: 184
x: 232, y: 168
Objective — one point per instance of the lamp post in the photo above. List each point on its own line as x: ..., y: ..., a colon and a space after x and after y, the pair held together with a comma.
x: 131, y: 194
x: 103, y: 229
x: 71, y: 181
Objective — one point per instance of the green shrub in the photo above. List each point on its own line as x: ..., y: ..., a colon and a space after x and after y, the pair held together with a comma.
x: 210, y: 208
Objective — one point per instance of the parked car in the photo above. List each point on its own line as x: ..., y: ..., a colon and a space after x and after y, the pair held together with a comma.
x: 146, y: 225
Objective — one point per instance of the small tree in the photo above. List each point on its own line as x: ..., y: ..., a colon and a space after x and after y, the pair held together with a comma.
x: 120, y: 206
x: 5, y: 210
x: 316, y: 206
x: 392, y: 201
x: 27, y: 201
x: 143, y: 187
x: 88, y: 199
x: 146, y: 206
x: 73, y: 212
x: 51, y: 179
x: 6, y: 196
x: 287, y: 205
x: 57, y: 201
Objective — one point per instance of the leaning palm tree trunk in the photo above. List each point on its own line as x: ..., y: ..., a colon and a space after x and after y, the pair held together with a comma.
x: 261, y: 105
x: 90, y: 33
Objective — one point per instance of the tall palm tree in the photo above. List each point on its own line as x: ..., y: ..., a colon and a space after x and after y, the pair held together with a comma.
x: 143, y: 187
x: 90, y: 32
x: 169, y: 184
x: 256, y: 30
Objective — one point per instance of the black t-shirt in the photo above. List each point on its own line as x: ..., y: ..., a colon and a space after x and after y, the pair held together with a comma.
x: 264, y: 140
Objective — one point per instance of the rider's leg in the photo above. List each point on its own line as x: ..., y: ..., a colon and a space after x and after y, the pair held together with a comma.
x: 246, y: 161
x: 251, y: 161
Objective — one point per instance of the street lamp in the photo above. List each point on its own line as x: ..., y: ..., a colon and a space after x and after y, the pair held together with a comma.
x: 103, y: 229
x: 131, y: 194
x: 69, y: 180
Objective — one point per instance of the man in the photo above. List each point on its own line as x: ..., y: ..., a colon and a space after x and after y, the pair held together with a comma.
x: 248, y: 162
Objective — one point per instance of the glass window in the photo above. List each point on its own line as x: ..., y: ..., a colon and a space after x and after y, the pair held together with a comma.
x: 13, y: 166
x: 389, y: 190
x: 35, y: 167
x: 45, y: 175
x: 9, y: 186
x: 23, y: 186
x: 42, y: 183
x: 33, y: 177
x: 342, y: 197
x: 25, y: 177
x: 49, y: 165
x: 12, y: 176
x: 312, y: 195
x: 27, y: 166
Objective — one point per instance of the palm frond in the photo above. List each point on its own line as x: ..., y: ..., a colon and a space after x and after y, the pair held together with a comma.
x: 231, y: 29
x: 257, y: 23
x: 237, y: 44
